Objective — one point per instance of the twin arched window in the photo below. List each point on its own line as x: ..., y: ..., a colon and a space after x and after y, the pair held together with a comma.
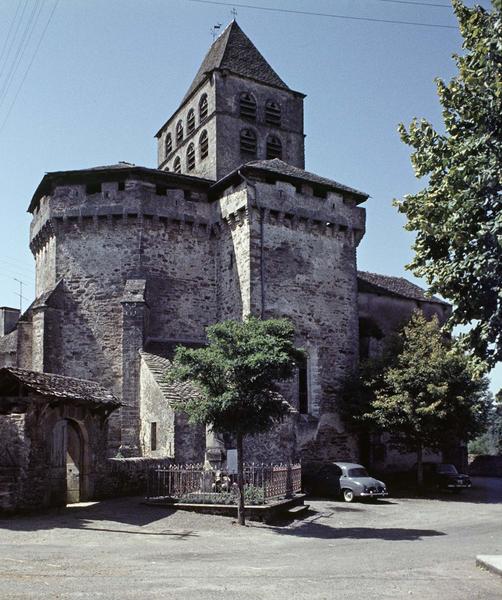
x: 190, y: 121
x: 203, y: 145
x: 248, y: 142
x: 203, y: 107
x: 179, y: 131
x: 272, y: 113
x: 274, y: 147
x: 247, y: 106
x: 190, y: 157
x: 168, y: 144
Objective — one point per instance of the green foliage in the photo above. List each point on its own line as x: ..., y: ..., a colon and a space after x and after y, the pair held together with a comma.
x: 236, y: 375
x: 490, y: 441
x: 458, y: 216
x: 429, y: 392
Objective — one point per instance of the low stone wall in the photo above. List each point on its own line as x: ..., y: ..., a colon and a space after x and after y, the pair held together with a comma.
x: 127, y: 476
x: 483, y: 465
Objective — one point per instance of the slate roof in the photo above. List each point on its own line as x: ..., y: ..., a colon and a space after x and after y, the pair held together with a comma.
x: 8, y: 343
x: 234, y: 51
x: 60, y: 387
x: 394, y: 286
x: 288, y: 172
x: 158, y: 367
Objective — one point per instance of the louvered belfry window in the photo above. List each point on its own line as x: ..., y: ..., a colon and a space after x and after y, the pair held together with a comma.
x: 247, y: 106
x: 203, y: 145
x: 169, y: 143
x: 190, y: 157
x: 274, y: 147
x: 190, y: 121
x: 177, y: 165
x: 272, y: 113
x: 248, y: 142
x: 203, y: 107
x: 179, y: 131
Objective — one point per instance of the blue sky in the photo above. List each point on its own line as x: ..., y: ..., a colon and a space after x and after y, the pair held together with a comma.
x: 108, y: 73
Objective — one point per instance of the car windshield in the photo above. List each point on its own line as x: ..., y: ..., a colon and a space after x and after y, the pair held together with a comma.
x: 359, y: 472
x: 447, y: 470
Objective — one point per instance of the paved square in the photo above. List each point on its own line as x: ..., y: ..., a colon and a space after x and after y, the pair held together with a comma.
x: 120, y: 549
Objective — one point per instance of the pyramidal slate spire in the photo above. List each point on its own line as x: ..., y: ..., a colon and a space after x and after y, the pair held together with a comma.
x: 235, y: 52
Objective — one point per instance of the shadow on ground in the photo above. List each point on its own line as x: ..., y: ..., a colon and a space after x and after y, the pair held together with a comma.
x: 125, y: 511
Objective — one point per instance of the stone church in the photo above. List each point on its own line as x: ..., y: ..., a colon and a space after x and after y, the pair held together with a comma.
x: 132, y: 261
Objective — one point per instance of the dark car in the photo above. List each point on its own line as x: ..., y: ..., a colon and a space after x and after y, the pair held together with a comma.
x: 348, y: 480
x: 444, y: 476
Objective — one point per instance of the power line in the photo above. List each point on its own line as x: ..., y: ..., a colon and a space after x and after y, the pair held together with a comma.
x: 327, y: 15
x: 7, y: 38
x: 23, y: 46
x: 29, y: 66
x: 14, y: 35
x: 410, y: 2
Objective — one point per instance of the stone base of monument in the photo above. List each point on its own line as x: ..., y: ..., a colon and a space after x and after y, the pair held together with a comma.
x: 289, y: 508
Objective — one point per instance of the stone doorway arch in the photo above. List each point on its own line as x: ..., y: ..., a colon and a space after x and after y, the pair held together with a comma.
x: 69, y: 462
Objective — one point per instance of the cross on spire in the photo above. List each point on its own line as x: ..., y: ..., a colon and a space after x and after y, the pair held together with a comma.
x: 233, y: 12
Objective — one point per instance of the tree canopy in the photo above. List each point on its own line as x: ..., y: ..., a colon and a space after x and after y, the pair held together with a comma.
x: 457, y: 217
x: 424, y: 389
x: 236, y: 377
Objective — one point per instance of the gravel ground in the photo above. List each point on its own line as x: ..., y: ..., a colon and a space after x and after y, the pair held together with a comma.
x: 400, y: 548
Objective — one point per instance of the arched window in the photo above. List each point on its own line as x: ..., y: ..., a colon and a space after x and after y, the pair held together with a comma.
x: 168, y: 144
x: 203, y: 145
x: 274, y: 147
x: 190, y: 158
x: 177, y: 165
x: 272, y: 113
x: 247, y: 106
x: 179, y: 131
x: 203, y: 107
x: 248, y: 142
x: 190, y: 121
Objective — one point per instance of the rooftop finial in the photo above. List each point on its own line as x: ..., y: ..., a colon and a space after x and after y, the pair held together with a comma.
x: 233, y: 12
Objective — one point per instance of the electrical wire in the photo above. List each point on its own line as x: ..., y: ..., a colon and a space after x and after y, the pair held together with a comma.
x: 326, y: 15
x: 30, y: 65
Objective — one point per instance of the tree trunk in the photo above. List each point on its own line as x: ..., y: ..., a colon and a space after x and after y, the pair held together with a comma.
x: 420, y: 467
x: 240, y: 481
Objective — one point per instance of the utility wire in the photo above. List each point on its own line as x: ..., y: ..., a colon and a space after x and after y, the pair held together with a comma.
x: 410, y: 2
x: 6, y: 56
x: 29, y: 66
x: 23, y: 46
x: 7, y: 38
x: 327, y: 15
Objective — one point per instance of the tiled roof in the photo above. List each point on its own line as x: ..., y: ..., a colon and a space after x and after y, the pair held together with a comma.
x: 396, y: 286
x: 8, y: 343
x: 290, y: 173
x: 159, y: 367
x: 60, y: 387
x: 234, y: 51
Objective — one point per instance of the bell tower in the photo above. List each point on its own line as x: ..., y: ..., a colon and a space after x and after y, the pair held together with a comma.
x: 236, y: 110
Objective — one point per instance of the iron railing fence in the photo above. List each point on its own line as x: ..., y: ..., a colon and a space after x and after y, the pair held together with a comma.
x: 193, y: 483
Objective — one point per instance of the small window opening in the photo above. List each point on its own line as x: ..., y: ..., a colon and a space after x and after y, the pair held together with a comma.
x: 179, y: 132
x: 93, y: 188
x: 191, y: 157
x: 177, y: 165
x: 161, y: 190
x: 153, y: 436
x: 248, y: 142
x: 168, y: 144
x: 121, y: 186
x: 203, y: 145
x: 274, y: 147
x: 273, y: 113
x: 203, y: 107
x: 190, y: 121
x: 303, y: 390
x: 247, y: 107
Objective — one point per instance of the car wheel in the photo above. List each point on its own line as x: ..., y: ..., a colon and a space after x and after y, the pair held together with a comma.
x: 348, y: 495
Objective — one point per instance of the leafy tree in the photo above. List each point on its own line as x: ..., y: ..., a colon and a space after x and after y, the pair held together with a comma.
x: 458, y: 216
x: 490, y: 441
x: 428, y: 392
x: 236, y: 378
